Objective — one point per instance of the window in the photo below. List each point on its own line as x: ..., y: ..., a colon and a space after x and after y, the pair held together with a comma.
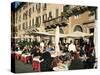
x: 23, y: 16
x: 50, y: 15
x: 26, y: 25
x: 16, y: 29
x: 92, y: 30
x: 30, y: 24
x: 61, y: 30
x: 16, y: 18
x: 25, y: 6
x: 38, y: 6
x: 33, y: 22
x: 38, y: 21
x: 23, y: 26
x: 44, y: 6
x: 19, y: 18
x: 19, y: 26
x: 57, y: 12
x: 44, y: 17
x: 26, y: 15
x: 30, y: 12
x: 33, y: 8
x: 78, y: 28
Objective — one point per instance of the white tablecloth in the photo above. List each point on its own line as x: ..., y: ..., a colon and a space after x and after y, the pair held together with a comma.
x: 60, y: 69
x: 36, y: 59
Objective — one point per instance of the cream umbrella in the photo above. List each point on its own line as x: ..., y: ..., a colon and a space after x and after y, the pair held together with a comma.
x: 42, y: 33
x: 77, y: 34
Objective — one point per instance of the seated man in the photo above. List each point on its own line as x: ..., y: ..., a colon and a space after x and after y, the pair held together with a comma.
x: 49, y: 48
x: 46, y: 63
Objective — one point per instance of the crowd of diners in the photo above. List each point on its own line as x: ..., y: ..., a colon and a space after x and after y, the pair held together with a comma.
x: 75, y: 55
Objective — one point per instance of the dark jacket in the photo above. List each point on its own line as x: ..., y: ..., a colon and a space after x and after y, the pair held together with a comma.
x: 76, y: 64
x: 46, y: 64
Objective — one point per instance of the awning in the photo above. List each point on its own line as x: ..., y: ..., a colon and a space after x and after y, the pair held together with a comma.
x: 42, y: 33
x: 78, y: 34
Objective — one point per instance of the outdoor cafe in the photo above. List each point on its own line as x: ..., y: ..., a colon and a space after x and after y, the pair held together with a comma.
x: 58, y: 57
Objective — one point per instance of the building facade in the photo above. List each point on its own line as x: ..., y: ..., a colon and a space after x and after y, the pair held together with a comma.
x: 42, y: 17
x: 82, y: 18
x: 30, y: 17
x: 75, y: 18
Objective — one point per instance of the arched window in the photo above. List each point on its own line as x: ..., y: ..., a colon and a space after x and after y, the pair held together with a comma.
x: 78, y: 28
x: 61, y: 31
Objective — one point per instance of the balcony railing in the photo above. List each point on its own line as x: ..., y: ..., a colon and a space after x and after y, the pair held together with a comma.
x: 61, y: 21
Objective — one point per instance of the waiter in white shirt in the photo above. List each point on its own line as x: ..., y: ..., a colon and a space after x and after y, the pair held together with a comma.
x: 72, y: 47
x: 42, y: 46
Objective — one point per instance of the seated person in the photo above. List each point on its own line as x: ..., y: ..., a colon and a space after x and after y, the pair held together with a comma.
x: 17, y: 48
x: 49, y: 48
x: 25, y: 50
x: 76, y: 62
x: 46, y: 64
x: 37, y: 53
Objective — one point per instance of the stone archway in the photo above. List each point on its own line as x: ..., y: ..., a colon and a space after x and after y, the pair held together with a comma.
x: 61, y: 31
x: 78, y: 28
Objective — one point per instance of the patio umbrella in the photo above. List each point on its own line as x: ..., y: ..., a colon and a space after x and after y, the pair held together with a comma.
x: 42, y: 33
x: 77, y: 34
x: 62, y: 35
x: 16, y: 37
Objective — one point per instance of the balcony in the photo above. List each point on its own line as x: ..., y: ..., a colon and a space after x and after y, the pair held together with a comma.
x: 72, y: 10
x: 53, y: 22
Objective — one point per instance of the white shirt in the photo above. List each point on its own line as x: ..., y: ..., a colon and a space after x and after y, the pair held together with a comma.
x: 42, y: 44
x: 72, y: 47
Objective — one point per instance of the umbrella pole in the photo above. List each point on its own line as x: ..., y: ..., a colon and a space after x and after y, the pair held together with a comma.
x: 57, y: 50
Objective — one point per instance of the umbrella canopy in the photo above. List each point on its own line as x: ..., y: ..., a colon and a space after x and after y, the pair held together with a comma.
x: 42, y: 33
x: 77, y: 34
x: 62, y: 35
x: 48, y: 34
x: 16, y: 37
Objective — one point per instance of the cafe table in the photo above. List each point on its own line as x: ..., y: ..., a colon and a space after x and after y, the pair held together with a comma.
x: 36, y: 64
x: 25, y: 57
x: 18, y: 54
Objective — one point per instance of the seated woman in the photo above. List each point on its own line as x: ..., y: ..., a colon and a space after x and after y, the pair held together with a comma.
x: 60, y: 62
x: 37, y: 52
